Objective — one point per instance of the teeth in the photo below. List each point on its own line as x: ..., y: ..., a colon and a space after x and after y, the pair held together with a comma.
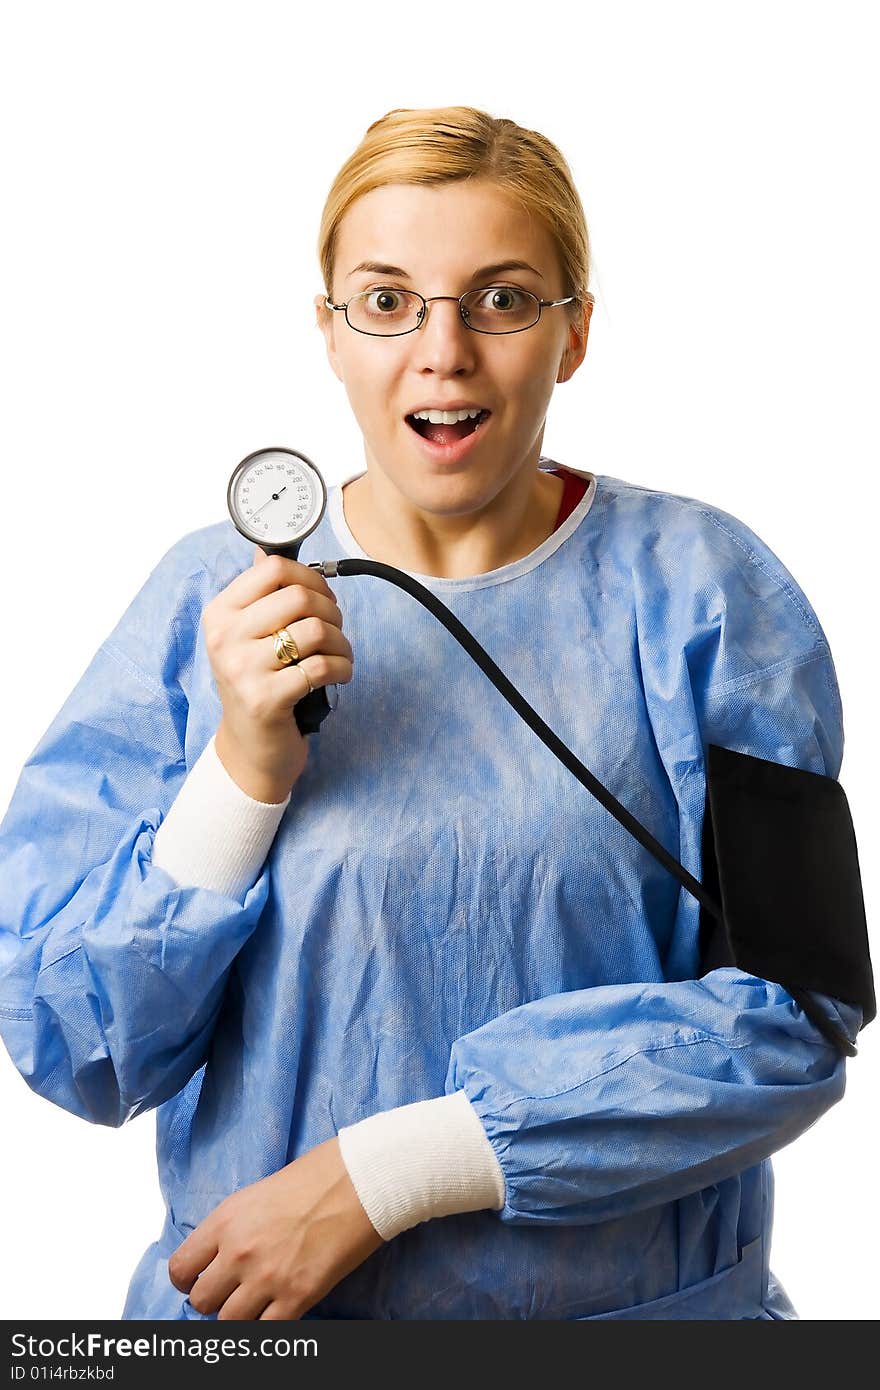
x: 446, y: 417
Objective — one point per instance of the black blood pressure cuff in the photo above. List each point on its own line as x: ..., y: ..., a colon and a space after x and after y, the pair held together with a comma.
x: 779, y: 854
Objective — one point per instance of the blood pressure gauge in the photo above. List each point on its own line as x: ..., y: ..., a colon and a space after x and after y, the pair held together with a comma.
x: 276, y: 497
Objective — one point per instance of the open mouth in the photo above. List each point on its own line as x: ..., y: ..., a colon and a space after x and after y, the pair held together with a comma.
x: 447, y: 434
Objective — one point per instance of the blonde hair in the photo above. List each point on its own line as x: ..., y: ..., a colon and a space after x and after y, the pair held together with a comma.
x: 446, y: 143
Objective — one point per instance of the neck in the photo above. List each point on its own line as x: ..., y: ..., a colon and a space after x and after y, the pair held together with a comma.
x: 463, y: 539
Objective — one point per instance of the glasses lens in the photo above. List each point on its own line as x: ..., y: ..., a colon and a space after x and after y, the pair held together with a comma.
x: 384, y: 311
x: 500, y: 309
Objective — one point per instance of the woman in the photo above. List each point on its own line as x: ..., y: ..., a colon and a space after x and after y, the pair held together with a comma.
x: 424, y: 1025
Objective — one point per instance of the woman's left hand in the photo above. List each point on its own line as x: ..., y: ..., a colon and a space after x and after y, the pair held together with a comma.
x: 274, y: 1249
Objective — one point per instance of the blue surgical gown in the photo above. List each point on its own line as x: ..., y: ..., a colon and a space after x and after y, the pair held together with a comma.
x: 444, y: 906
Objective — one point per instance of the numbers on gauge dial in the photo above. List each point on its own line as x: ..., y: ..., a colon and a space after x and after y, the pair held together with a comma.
x: 276, y: 498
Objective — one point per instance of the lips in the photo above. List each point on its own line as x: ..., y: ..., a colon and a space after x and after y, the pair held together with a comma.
x: 445, y: 444
x: 423, y: 426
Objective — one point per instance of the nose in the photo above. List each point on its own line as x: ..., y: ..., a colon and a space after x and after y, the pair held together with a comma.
x: 442, y: 342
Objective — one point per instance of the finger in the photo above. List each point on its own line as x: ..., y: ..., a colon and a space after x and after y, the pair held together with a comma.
x: 312, y: 639
x: 275, y: 1313
x: 268, y: 574
x: 213, y: 1286
x: 260, y: 557
x: 289, y: 684
x: 190, y: 1258
x: 246, y: 1303
x: 286, y: 606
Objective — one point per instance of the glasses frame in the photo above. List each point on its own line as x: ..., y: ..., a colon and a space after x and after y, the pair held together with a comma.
x: 458, y: 299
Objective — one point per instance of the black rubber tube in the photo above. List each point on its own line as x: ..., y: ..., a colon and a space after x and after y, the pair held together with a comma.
x: 330, y: 568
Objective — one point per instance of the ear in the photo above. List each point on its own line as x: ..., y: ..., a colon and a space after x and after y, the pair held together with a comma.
x: 325, y: 320
x: 578, y: 333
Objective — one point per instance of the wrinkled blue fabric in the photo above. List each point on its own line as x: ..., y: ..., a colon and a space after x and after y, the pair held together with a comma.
x: 445, y: 906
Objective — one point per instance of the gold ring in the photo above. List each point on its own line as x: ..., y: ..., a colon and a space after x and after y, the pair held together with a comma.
x: 287, y: 652
x: 285, y: 648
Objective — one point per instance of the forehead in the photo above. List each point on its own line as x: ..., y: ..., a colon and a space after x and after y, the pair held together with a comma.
x: 442, y: 230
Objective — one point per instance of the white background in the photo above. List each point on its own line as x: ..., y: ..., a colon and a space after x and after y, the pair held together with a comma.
x: 164, y: 167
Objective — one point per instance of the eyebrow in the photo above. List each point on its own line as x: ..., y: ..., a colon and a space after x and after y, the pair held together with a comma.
x: 379, y: 268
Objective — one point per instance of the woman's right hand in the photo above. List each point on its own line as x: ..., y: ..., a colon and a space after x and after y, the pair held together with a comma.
x: 258, y: 740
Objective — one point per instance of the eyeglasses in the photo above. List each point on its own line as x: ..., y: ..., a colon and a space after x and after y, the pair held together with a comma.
x: 388, y: 313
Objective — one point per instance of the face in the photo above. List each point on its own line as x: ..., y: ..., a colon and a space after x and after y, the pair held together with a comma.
x: 442, y: 236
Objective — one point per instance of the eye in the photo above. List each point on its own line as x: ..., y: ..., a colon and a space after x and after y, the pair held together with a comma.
x: 384, y: 300
x: 501, y: 298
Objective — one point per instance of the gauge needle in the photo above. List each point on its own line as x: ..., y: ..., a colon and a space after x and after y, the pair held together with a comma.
x: 273, y: 498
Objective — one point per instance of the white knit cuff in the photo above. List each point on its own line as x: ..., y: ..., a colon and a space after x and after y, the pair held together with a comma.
x: 215, y: 835
x: 431, y: 1158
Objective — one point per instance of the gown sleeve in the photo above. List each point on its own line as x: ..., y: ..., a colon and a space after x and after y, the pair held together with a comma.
x: 599, y: 1102
x: 111, y: 974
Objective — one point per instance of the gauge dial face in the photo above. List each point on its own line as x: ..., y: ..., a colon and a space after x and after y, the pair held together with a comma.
x: 276, y: 496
